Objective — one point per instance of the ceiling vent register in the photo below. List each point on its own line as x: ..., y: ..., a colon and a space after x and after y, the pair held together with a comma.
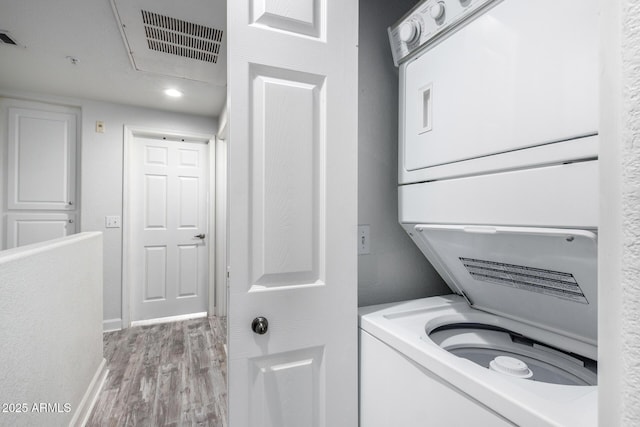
x: 182, y: 38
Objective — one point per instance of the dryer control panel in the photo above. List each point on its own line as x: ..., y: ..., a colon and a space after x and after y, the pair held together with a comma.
x: 428, y: 20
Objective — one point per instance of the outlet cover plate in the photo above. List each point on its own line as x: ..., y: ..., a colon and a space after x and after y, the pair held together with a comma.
x: 112, y: 221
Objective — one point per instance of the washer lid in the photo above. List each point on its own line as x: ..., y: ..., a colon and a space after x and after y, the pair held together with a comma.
x: 541, y: 276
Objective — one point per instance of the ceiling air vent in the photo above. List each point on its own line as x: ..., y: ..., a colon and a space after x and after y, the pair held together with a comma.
x: 182, y: 38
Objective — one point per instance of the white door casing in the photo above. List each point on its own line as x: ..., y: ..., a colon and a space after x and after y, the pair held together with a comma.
x: 292, y: 212
x: 168, y: 204
x: 221, y: 229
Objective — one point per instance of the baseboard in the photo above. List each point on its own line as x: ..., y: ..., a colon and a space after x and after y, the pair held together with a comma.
x: 168, y: 319
x: 111, y: 325
x: 83, y: 412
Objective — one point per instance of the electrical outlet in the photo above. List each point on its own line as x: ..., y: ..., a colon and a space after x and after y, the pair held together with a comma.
x: 112, y: 221
x: 364, y: 241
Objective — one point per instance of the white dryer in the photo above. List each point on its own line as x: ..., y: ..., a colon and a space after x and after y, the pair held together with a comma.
x: 498, y: 189
x: 486, y: 77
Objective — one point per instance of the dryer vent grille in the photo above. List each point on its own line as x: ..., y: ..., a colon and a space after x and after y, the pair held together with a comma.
x: 182, y: 38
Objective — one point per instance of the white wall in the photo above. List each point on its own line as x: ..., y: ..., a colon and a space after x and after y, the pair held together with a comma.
x: 395, y: 270
x: 619, y: 251
x: 51, y: 316
x: 101, y: 167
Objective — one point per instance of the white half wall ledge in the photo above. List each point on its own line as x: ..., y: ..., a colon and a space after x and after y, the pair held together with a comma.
x: 51, y: 315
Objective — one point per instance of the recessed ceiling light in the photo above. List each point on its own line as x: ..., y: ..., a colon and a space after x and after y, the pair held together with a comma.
x: 174, y: 93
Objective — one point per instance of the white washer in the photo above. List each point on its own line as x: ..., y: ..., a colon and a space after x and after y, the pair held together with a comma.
x: 408, y: 380
x: 516, y: 346
x: 498, y: 189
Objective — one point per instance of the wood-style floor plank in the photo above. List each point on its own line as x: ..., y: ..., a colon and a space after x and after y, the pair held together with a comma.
x: 171, y: 374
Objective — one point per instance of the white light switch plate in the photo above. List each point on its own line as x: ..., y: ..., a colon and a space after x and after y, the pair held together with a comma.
x: 112, y: 221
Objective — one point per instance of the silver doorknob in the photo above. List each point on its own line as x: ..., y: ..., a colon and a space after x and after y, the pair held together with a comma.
x: 260, y: 325
x: 199, y: 236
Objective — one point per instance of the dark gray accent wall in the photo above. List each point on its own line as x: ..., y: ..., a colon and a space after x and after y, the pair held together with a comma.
x: 395, y: 270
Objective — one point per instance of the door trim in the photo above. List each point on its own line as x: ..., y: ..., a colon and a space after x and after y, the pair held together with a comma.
x: 130, y: 133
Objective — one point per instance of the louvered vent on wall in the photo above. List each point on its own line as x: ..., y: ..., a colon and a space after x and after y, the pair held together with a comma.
x: 182, y: 38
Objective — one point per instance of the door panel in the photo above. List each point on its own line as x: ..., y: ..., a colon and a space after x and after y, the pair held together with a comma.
x: 156, y: 202
x: 168, y: 198
x: 27, y: 228
x: 155, y: 273
x: 188, y: 197
x: 292, y: 212
x: 187, y: 268
x: 286, y: 200
x: 41, y: 159
x: 287, y: 389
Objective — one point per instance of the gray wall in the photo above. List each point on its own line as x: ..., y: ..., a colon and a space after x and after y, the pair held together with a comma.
x: 395, y: 270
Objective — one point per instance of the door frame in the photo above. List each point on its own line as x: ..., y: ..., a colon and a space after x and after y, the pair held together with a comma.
x: 130, y: 133
x: 218, y: 301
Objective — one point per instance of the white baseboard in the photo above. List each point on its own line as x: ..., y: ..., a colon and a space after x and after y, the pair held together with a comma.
x: 110, y: 325
x: 168, y: 319
x: 83, y: 411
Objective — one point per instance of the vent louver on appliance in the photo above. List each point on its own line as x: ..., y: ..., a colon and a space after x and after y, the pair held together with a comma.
x: 182, y: 38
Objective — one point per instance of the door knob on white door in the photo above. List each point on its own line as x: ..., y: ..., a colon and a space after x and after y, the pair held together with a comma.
x: 199, y: 236
x: 260, y: 325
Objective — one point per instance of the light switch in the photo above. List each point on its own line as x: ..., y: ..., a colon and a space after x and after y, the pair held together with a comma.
x: 364, y: 244
x: 112, y: 221
x: 100, y: 126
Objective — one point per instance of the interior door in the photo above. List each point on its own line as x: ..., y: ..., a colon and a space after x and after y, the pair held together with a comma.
x: 168, y: 200
x: 41, y: 159
x: 292, y: 212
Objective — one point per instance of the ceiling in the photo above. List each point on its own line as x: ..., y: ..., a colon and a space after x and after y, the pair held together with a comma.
x: 50, y: 34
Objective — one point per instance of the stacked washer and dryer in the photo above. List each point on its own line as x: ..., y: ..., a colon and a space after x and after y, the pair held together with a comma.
x: 498, y: 187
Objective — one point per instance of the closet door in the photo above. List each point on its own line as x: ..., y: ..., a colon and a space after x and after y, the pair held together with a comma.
x: 41, y: 160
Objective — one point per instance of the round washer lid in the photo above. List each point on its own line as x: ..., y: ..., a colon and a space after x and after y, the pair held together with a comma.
x: 541, y: 276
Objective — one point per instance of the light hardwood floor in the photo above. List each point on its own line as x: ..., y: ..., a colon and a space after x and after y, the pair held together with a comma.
x: 171, y: 374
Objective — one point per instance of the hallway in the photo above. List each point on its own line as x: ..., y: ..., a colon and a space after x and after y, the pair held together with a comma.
x: 170, y: 374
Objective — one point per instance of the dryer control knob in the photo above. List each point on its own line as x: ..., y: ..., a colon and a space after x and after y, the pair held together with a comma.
x: 409, y: 31
x: 437, y: 10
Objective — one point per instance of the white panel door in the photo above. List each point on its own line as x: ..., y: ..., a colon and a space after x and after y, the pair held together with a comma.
x: 292, y: 212
x: 168, y: 202
x: 41, y: 159
x: 27, y: 228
